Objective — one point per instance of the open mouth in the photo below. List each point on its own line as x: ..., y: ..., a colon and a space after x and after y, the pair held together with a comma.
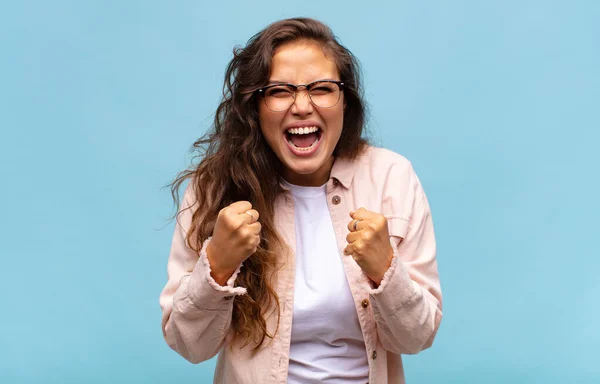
x: 303, y: 139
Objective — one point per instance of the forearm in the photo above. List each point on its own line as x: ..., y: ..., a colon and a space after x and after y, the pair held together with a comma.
x: 406, y: 314
x: 201, y: 313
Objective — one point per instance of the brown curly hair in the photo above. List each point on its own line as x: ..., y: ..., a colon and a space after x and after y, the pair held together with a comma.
x: 236, y: 163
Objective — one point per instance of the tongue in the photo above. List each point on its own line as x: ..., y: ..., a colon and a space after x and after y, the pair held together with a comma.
x: 304, y: 141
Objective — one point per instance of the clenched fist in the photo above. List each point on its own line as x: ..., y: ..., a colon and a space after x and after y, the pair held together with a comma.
x: 369, y: 243
x: 235, y: 237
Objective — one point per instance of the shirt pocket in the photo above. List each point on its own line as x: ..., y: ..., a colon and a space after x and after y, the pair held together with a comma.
x: 397, y: 228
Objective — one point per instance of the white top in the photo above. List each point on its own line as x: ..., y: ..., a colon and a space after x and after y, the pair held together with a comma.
x: 327, y: 344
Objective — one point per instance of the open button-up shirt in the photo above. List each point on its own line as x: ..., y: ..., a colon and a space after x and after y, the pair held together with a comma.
x: 400, y: 316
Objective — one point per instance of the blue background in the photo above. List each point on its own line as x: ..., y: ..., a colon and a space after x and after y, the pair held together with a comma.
x: 497, y: 105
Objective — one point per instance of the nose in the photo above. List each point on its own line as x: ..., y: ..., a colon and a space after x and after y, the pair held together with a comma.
x: 302, y: 105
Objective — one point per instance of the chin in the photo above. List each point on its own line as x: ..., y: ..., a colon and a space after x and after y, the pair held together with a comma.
x: 307, y: 172
x: 302, y: 169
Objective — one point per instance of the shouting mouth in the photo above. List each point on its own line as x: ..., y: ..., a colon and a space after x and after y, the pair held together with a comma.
x: 303, y: 141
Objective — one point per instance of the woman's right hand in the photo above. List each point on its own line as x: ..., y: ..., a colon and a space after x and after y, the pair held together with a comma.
x: 236, y: 236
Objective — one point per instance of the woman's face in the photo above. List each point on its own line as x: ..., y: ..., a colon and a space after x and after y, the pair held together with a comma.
x: 307, y: 158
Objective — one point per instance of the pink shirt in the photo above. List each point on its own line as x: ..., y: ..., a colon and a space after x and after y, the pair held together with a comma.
x: 401, y: 316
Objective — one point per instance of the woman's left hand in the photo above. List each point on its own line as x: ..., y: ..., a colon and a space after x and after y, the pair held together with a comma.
x: 369, y: 243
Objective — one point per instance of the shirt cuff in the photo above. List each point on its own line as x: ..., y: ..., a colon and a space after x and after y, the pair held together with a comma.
x: 396, y: 288
x: 203, y: 290
x: 371, y: 290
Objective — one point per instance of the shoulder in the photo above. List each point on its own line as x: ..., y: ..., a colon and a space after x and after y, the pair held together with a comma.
x: 382, y: 172
x: 373, y: 169
x: 382, y: 161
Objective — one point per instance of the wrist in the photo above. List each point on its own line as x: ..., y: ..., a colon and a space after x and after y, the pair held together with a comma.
x: 378, y: 278
x: 219, y: 274
x: 221, y: 278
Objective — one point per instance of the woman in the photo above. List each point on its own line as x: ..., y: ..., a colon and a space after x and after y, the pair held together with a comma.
x: 301, y: 254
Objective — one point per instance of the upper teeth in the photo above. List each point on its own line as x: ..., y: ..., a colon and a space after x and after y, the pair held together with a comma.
x: 302, y: 131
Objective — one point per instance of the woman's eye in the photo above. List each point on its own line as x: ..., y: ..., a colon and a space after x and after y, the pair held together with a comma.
x: 321, y: 90
x: 279, y: 92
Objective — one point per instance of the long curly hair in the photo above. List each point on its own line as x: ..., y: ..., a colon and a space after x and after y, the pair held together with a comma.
x: 236, y: 163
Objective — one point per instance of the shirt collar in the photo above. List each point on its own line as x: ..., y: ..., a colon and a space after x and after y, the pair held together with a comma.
x: 343, y: 170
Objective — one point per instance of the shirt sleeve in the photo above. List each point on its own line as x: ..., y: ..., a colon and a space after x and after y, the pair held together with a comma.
x: 196, y: 310
x: 407, y: 305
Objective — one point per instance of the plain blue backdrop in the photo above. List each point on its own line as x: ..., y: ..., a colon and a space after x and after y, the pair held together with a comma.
x: 497, y: 104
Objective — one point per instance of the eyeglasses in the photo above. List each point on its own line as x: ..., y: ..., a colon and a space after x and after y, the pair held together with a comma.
x: 322, y: 93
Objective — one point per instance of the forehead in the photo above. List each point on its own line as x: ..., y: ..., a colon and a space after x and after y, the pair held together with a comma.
x: 302, y: 62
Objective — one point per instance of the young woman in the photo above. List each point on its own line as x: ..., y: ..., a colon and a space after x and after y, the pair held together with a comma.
x: 301, y: 254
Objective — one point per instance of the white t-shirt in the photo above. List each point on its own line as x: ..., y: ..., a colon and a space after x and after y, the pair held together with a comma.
x: 327, y: 344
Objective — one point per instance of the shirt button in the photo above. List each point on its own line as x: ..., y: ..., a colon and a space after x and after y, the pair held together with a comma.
x: 335, y: 182
x: 365, y: 303
x: 374, y: 355
x: 336, y: 199
x: 228, y: 298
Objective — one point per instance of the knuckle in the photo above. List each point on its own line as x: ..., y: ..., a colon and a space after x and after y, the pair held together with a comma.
x: 227, y: 223
x: 245, y: 233
x: 252, y: 244
x: 233, y: 223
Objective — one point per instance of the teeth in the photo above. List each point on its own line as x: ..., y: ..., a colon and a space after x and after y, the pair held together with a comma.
x: 302, y: 131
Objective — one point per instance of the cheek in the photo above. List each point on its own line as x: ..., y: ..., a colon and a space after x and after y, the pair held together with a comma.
x: 335, y: 118
x: 269, y: 124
